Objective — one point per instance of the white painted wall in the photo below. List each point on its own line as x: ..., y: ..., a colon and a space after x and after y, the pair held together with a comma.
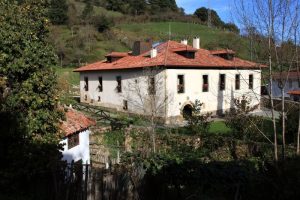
x: 81, y: 151
x: 213, y: 100
x: 293, y: 85
x: 109, y: 96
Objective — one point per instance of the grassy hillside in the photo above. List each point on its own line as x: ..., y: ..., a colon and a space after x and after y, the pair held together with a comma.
x: 211, y: 38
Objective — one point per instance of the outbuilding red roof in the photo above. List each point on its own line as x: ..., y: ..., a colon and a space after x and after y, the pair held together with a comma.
x: 167, y: 56
x: 294, y: 92
x: 75, y: 122
x: 284, y: 75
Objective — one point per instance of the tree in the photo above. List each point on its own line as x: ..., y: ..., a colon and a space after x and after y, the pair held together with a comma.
x: 202, y: 14
x: 88, y: 10
x: 57, y: 12
x: 147, y: 94
x: 29, y: 114
x: 197, y: 122
x: 231, y: 27
x: 275, y: 20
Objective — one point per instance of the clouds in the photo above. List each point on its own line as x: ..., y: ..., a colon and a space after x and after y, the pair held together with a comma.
x: 223, y: 7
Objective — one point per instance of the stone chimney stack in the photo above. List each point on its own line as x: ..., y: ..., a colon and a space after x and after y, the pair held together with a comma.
x: 196, y: 43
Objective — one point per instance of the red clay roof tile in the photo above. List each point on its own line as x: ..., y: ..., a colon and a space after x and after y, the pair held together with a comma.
x: 75, y: 121
x: 168, y: 57
x: 294, y: 92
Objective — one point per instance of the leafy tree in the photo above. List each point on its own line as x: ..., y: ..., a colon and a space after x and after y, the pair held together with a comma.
x: 29, y: 115
x: 88, y: 10
x: 243, y: 124
x: 57, y: 12
x: 103, y: 23
x: 231, y: 27
x: 202, y: 14
x: 197, y: 122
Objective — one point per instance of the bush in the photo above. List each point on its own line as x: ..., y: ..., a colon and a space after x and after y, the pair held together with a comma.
x: 102, y: 23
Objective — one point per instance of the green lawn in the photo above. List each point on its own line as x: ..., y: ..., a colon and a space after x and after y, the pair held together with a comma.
x: 219, y: 127
x: 68, y: 74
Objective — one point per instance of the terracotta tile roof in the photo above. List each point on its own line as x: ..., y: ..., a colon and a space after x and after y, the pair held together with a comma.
x: 291, y: 75
x: 117, y: 54
x: 294, y: 92
x: 167, y: 57
x: 222, y: 51
x: 75, y: 122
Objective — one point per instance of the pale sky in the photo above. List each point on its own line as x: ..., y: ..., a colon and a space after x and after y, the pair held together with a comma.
x: 223, y: 7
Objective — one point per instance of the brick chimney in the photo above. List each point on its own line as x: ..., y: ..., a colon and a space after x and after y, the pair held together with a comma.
x: 140, y: 47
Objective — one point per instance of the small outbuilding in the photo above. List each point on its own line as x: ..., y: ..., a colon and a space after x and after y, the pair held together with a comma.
x: 76, y: 139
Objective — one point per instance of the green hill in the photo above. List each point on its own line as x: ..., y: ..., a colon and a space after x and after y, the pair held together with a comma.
x: 211, y: 38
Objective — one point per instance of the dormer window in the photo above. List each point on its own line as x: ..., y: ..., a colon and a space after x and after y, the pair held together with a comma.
x: 225, y: 54
x: 114, y: 56
x: 187, y: 52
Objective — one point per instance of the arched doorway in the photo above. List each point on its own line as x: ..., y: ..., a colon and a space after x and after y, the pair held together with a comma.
x: 187, y: 111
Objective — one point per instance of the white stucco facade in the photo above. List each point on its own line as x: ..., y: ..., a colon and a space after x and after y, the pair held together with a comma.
x: 79, y: 152
x: 291, y: 84
x: 166, y: 90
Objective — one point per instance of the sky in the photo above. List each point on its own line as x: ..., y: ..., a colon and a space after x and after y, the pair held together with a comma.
x: 223, y: 7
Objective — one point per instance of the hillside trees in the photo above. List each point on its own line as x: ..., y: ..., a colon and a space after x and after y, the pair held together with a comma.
x: 57, y: 11
x: 29, y: 115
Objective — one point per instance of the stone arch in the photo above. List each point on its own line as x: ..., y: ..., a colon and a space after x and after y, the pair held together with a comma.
x: 186, y: 109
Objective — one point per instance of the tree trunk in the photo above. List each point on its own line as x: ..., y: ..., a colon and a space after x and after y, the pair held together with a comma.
x: 153, y: 134
x: 270, y: 36
x: 298, y: 135
x: 283, y: 122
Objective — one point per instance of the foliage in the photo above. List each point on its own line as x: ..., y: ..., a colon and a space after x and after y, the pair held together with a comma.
x: 138, y: 7
x: 231, y: 27
x: 102, y: 23
x: 243, y: 125
x: 202, y: 14
x: 198, y: 123
x: 29, y: 114
x: 57, y: 11
x: 88, y: 10
x: 292, y: 120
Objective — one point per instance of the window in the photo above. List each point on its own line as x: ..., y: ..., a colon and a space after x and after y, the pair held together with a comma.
x: 100, y: 87
x: 151, y: 86
x: 180, y: 83
x: 290, y: 83
x: 125, y: 105
x: 119, y: 84
x: 86, y: 83
x: 237, y: 82
x: 222, y: 81
x: 251, y: 81
x: 205, y: 83
x: 73, y: 140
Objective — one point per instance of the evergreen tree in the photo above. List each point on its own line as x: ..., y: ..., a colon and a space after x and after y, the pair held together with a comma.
x: 58, y: 11
x: 29, y: 115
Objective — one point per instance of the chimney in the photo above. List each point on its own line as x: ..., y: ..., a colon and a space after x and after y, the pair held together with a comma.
x: 184, y: 41
x: 196, y: 43
x: 141, y: 47
x: 153, y: 53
